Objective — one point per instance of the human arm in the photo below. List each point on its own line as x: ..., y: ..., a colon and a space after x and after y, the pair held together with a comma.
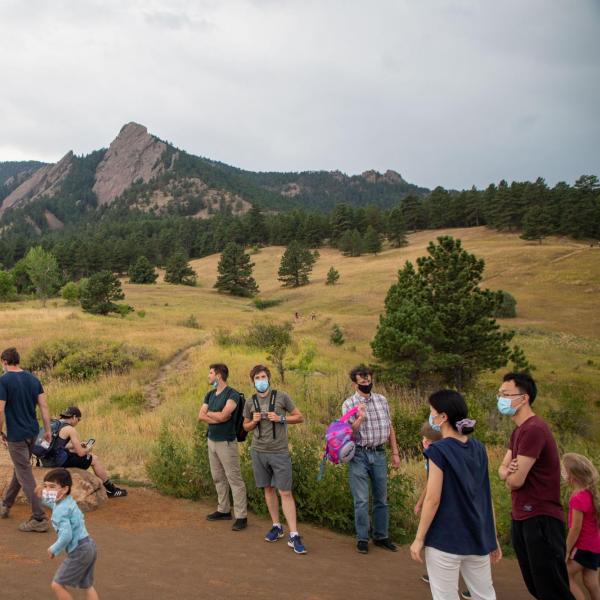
x: 433, y: 494
x: 504, y: 468
x: 357, y: 422
x: 574, y: 530
x: 224, y: 415
x: 419, y: 504
x: 43, y: 404
x: 203, y: 415
x: 74, y: 441
x: 292, y: 418
x: 65, y: 534
x: 2, y: 404
x: 394, y: 447
x: 250, y: 424
x: 522, y: 465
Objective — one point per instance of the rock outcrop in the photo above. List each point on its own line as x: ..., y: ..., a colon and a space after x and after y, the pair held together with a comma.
x: 133, y: 155
x: 44, y: 182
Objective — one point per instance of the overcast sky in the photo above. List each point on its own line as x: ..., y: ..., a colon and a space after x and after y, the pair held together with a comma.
x: 446, y: 92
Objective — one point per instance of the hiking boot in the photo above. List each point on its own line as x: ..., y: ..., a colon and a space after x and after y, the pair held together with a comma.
x: 425, y: 578
x: 387, y: 544
x: 296, y: 543
x: 276, y: 533
x: 219, y: 516
x: 116, y: 492
x: 362, y: 547
x: 466, y: 594
x: 4, y: 510
x: 34, y: 525
x: 240, y: 524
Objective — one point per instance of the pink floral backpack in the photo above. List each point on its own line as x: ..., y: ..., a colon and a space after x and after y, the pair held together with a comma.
x: 339, y: 441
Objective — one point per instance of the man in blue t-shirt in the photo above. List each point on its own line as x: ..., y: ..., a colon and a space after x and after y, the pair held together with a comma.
x: 20, y: 394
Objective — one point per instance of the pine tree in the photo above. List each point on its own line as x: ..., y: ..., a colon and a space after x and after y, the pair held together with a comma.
x: 371, y: 243
x: 438, y: 323
x: 142, y: 271
x: 99, y: 293
x: 336, y: 337
x: 8, y: 291
x: 536, y: 224
x: 178, y: 270
x: 235, y: 272
x: 396, y: 228
x: 296, y: 265
x: 351, y: 243
x: 332, y: 276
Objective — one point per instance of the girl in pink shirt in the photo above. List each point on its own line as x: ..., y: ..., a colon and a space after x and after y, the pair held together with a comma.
x: 583, y: 541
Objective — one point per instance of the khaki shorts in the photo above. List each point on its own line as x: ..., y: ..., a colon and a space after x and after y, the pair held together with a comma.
x: 272, y: 469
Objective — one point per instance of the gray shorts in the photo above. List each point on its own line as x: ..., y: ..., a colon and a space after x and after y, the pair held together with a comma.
x: 77, y: 570
x: 272, y: 469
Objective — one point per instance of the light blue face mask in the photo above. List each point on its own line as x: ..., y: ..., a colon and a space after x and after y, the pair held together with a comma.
x: 433, y: 425
x: 214, y: 384
x: 261, y: 385
x: 505, y: 407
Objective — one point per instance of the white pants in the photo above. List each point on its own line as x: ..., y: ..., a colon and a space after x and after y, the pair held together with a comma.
x: 443, y: 570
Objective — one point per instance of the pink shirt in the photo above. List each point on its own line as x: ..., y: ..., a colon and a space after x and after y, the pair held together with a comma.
x: 589, y: 537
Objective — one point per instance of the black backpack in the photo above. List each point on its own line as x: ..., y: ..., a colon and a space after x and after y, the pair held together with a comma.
x: 238, y: 415
x: 270, y: 409
x: 41, y: 449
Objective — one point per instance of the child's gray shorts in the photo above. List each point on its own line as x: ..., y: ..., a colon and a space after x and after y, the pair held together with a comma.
x: 77, y: 570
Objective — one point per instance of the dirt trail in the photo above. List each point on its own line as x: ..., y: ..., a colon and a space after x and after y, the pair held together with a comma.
x: 152, y: 392
x: 152, y: 546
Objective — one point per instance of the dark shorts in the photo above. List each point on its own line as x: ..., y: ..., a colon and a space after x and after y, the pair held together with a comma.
x: 587, y: 559
x: 272, y: 469
x: 77, y: 570
x: 77, y: 462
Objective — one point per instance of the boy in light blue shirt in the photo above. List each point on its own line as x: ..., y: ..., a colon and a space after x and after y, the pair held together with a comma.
x: 77, y: 570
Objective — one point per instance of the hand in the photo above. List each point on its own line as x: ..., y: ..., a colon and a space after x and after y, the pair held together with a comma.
x: 395, y: 461
x: 513, y: 467
x: 4, y: 440
x: 496, y: 555
x: 256, y: 417
x: 50, y: 555
x: 48, y: 436
x: 415, y: 551
x: 273, y: 416
x: 83, y: 445
x: 38, y: 490
x: 362, y: 410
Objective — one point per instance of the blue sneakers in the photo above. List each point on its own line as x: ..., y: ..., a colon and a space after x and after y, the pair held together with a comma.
x: 296, y: 543
x: 276, y: 533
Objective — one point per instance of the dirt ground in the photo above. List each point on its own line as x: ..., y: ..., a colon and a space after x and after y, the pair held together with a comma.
x: 152, y: 546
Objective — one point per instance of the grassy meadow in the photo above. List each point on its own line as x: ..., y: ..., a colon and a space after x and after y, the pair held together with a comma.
x: 556, y: 284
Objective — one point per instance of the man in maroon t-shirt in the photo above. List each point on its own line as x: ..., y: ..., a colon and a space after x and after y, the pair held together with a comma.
x: 531, y: 470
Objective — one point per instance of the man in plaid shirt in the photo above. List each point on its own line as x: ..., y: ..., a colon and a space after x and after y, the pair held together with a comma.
x: 372, y: 430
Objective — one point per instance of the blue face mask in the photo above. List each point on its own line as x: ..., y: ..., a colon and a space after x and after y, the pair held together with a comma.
x: 433, y: 425
x: 262, y: 385
x: 214, y: 384
x: 505, y: 407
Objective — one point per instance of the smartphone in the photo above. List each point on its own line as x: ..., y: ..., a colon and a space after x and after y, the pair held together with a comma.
x: 90, y: 443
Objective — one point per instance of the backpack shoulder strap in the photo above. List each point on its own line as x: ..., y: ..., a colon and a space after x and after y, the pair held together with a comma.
x: 272, y: 408
x: 255, y: 403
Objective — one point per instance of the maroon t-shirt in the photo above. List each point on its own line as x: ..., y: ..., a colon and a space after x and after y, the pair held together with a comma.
x: 540, y: 494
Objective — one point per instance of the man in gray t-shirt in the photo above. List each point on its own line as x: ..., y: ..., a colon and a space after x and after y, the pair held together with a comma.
x: 268, y: 413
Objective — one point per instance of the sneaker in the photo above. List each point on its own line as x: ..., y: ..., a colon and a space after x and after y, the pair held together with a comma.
x: 276, y: 533
x: 116, y: 492
x: 4, y: 510
x: 34, y: 525
x: 240, y: 524
x: 296, y: 543
x: 425, y: 578
x: 219, y: 516
x: 362, y: 546
x: 466, y: 594
x: 387, y: 544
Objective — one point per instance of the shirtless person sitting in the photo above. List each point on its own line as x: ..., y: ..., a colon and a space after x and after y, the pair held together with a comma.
x: 70, y: 452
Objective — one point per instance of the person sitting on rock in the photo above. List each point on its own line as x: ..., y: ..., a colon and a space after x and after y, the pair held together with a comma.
x: 70, y: 452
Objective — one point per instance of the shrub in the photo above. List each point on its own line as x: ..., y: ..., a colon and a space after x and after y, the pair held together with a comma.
x: 132, y: 402
x: 190, y: 322
x: 507, y: 309
x: 141, y: 314
x: 70, y: 293
x: 8, y: 290
x: 263, y: 304
x: 336, y: 337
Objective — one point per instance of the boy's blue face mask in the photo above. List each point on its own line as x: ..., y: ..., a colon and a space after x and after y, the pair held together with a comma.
x: 49, y: 497
x: 433, y: 425
x: 261, y: 385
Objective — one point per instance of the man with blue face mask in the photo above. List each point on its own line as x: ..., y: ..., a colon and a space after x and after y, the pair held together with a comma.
x: 268, y: 414
x: 531, y: 470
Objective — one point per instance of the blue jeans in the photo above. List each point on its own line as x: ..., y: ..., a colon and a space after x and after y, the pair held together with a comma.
x: 369, y: 465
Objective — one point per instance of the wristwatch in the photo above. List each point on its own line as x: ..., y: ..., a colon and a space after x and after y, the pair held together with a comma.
x: 282, y: 419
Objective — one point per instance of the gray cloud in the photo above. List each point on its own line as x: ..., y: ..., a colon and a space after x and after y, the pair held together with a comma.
x: 449, y: 92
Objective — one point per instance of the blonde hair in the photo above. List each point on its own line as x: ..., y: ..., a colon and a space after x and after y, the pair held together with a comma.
x: 581, y: 469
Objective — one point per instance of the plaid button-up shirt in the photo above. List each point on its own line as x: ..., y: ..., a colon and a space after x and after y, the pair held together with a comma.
x: 376, y: 426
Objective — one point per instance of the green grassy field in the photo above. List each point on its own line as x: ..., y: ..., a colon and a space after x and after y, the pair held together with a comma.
x: 556, y: 284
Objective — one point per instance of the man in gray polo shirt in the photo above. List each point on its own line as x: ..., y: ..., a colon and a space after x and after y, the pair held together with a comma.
x: 268, y: 413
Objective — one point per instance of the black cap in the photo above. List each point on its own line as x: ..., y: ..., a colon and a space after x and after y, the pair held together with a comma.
x: 72, y: 411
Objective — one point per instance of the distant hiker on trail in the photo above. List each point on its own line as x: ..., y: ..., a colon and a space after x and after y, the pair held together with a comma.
x: 268, y: 414
x: 20, y: 394
x: 313, y: 316
x: 77, y: 570
x: 373, y: 429
x: 218, y: 410
x: 70, y: 453
x: 531, y: 470
x: 459, y: 537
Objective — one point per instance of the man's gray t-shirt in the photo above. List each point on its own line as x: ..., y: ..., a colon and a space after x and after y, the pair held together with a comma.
x: 262, y: 435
